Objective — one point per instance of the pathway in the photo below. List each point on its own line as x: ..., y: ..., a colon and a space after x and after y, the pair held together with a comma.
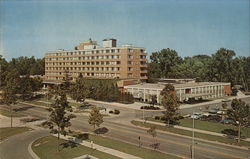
x: 102, y: 148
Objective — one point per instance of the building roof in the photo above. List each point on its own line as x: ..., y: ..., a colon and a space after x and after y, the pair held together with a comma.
x: 177, y: 86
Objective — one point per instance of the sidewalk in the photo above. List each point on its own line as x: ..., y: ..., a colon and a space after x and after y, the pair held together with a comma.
x: 190, y: 129
x: 101, y: 148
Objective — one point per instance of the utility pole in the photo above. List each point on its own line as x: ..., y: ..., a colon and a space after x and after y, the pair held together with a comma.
x: 193, y: 139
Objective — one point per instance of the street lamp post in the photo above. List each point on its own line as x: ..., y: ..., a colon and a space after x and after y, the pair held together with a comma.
x: 193, y: 139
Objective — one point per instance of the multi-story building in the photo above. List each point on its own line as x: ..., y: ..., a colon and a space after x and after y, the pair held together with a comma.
x: 91, y: 60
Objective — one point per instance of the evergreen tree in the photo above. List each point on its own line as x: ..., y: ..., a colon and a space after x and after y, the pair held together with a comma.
x: 170, y: 103
x: 10, y: 91
x: 95, y: 117
x: 240, y: 114
x: 78, y: 90
x: 58, y: 119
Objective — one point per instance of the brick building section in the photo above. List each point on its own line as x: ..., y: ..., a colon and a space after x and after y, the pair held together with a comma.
x: 227, y: 90
x: 90, y: 60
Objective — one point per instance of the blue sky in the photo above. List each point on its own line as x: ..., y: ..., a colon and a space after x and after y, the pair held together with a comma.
x: 31, y: 28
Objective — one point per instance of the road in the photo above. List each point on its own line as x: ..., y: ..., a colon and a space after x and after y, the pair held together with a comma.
x: 16, y: 147
x: 170, y: 143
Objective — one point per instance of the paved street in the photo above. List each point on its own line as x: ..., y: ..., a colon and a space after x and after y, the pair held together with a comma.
x: 16, y: 147
x: 169, y: 143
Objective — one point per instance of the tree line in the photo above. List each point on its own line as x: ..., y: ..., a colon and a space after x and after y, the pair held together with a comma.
x: 22, y: 65
x: 98, y: 89
x: 222, y: 66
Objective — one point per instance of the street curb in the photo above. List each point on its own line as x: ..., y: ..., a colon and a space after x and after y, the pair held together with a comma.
x: 199, y: 139
x: 32, y: 153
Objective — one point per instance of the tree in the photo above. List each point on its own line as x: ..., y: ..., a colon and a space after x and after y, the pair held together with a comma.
x: 164, y: 63
x: 29, y: 86
x: 95, y: 117
x: 224, y: 106
x: 234, y: 91
x: 10, y: 91
x: 153, y: 100
x: 170, y: 103
x: 152, y: 131
x: 66, y: 83
x: 58, y: 119
x: 240, y: 114
x: 78, y: 90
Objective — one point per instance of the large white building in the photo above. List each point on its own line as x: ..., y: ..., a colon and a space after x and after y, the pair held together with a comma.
x: 184, y: 91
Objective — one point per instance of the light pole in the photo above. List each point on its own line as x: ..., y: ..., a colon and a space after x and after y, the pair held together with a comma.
x: 193, y: 139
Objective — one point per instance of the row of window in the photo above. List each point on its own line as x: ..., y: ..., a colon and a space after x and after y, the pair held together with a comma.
x: 84, y: 58
x: 105, y: 75
x: 83, y: 63
x: 83, y: 68
x: 87, y: 52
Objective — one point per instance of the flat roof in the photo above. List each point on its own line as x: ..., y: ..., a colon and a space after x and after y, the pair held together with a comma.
x: 182, y: 85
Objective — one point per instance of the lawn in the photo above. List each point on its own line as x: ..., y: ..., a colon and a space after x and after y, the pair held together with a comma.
x: 46, y: 148
x: 212, y: 126
x: 7, y: 113
x: 130, y: 149
x: 189, y: 133
x: 45, y: 102
x: 7, y: 132
x: 208, y: 126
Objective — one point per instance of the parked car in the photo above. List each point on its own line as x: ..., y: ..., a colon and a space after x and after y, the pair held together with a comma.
x: 226, y: 100
x: 226, y: 121
x: 214, y: 110
x: 221, y: 112
x: 196, y: 116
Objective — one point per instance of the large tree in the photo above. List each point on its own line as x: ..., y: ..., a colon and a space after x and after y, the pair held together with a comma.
x: 29, y: 86
x: 95, y: 117
x: 165, y: 62
x: 171, y: 103
x: 240, y: 114
x: 10, y: 90
x: 59, y: 120
x: 78, y: 90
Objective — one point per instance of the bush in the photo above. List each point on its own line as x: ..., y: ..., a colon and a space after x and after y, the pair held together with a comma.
x: 163, y: 118
x: 102, y: 130
x: 230, y: 132
x: 111, y: 112
x: 84, y: 136
x: 116, y: 111
x: 157, y: 118
x: 150, y: 107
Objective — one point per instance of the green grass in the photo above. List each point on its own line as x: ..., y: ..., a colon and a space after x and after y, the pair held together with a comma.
x: 44, y: 102
x: 189, y: 133
x: 212, y: 126
x: 7, y: 113
x: 208, y: 126
x: 46, y: 148
x: 128, y: 148
x: 7, y: 132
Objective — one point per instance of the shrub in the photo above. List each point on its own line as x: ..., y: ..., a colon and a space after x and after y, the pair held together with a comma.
x: 102, y: 130
x: 111, y: 112
x: 150, y: 107
x: 116, y: 111
x: 157, y: 118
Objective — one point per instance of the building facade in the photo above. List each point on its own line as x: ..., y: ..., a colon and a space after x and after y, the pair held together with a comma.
x: 91, y: 60
x: 184, y: 91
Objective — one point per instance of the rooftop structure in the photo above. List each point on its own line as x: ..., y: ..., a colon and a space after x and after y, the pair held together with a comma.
x: 94, y: 61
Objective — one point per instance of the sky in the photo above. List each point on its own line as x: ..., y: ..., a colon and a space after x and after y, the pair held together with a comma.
x: 191, y: 27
